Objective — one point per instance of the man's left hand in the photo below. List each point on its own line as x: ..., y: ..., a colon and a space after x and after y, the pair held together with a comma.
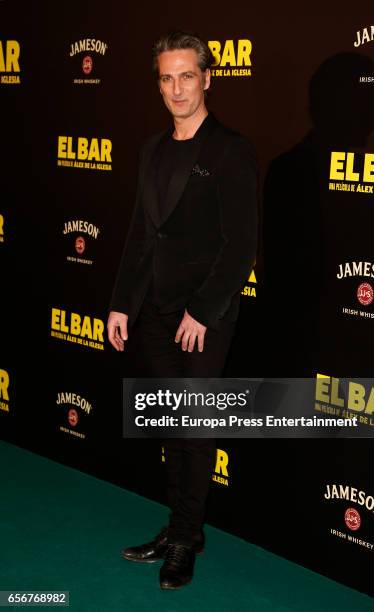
x: 189, y: 329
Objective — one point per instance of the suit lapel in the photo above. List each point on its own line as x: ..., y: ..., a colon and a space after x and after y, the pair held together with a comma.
x: 181, y: 174
x: 150, y: 196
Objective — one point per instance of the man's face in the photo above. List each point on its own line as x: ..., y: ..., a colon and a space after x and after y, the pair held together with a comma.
x: 181, y: 81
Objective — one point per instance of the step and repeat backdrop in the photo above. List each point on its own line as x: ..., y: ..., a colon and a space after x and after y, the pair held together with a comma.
x: 78, y: 99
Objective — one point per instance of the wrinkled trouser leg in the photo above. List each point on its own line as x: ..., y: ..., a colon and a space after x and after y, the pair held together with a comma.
x: 189, y: 462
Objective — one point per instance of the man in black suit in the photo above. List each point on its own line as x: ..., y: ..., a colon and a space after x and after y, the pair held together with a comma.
x: 189, y: 250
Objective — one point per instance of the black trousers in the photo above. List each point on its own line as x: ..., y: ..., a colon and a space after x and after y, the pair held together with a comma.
x: 189, y: 462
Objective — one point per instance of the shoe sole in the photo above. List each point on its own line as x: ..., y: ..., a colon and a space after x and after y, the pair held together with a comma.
x: 174, y: 588
x: 198, y: 552
x: 141, y: 560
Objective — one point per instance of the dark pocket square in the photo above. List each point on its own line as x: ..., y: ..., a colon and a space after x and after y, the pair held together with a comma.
x: 197, y: 171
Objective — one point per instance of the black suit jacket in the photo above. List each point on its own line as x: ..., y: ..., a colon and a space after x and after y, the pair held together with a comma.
x: 202, y: 250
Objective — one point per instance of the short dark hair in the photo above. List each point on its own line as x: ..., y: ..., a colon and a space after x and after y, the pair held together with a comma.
x: 183, y: 40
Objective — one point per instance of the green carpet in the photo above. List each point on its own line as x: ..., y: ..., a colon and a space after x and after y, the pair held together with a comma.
x: 61, y: 529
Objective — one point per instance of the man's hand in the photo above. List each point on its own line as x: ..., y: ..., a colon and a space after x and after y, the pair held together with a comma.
x: 189, y: 329
x: 117, y: 329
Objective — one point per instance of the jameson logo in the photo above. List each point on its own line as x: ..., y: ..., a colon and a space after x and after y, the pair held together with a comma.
x: 364, y: 293
x: 73, y: 416
x: 88, y: 44
x: 355, y: 268
x: 83, y: 229
x: 364, y: 36
x: 72, y: 399
x: 78, y: 225
x: 87, y: 50
x: 338, y: 491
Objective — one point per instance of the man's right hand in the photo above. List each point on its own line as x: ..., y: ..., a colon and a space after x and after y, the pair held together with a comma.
x: 117, y: 329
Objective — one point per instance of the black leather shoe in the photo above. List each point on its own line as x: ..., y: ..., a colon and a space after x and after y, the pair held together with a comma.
x: 150, y: 552
x: 156, y: 549
x: 177, y: 570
